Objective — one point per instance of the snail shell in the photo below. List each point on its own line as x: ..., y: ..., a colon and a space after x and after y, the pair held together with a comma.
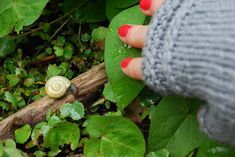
x: 57, y: 86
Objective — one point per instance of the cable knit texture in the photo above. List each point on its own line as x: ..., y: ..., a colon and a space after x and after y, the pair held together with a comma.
x: 190, y: 51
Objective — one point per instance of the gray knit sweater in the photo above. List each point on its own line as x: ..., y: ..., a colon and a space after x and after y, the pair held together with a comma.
x: 190, y: 51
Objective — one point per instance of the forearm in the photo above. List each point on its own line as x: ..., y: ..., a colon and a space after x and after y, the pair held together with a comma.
x: 190, y: 50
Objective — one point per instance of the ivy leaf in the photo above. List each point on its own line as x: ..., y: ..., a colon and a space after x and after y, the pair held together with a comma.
x: 58, y: 51
x: 53, y: 70
x: 7, y: 46
x: 63, y: 133
x: 40, y: 129
x: 125, y: 89
x: 99, y: 34
x: 10, y: 150
x: 9, y: 97
x: 10, y: 143
x: 113, y: 136
x: 22, y: 134
x: 159, y: 153
x: 174, y: 126
x: 74, y: 110
x: 53, y: 120
x: 14, y: 14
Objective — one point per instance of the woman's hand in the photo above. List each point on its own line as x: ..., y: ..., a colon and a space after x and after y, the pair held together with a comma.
x: 135, y: 35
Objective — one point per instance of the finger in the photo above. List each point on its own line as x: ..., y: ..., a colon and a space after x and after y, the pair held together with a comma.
x: 132, y: 67
x: 133, y: 35
x: 149, y: 7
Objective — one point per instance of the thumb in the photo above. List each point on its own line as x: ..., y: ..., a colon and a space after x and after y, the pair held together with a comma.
x: 132, y: 67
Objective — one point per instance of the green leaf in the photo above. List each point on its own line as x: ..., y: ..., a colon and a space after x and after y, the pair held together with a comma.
x: 74, y: 110
x: 4, y: 105
x: 108, y: 93
x: 53, y: 70
x: 43, y: 128
x: 99, y: 34
x: 115, y: 7
x: 212, y: 149
x: 39, y: 153
x: 174, y: 126
x: 13, y: 80
x: 14, y: 14
x: 64, y: 67
x: 148, y: 97
x: 68, y: 51
x: 58, y: 51
x: 63, y: 133
x: 92, y: 11
x: 125, y: 89
x: 29, y: 82
x: 122, y: 3
x: 113, y: 136
x: 40, y: 129
x: 7, y: 46
x: 10, y: 152
x: 53, y: 120
x: 22, y: 134
x: 60, y: 41
x: 159, y: 153
x: 9, y: 97
x: 10, y: 143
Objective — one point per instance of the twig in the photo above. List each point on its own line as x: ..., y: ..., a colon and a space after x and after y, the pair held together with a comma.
x: 58, y: 29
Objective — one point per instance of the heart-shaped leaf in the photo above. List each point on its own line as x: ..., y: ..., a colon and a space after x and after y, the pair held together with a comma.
x: 14, y: 14
x: 125, y: 89
x: 113, y: 136
x: 74, y: 110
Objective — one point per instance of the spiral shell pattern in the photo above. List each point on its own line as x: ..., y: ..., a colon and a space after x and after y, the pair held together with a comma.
x: 57, y: 86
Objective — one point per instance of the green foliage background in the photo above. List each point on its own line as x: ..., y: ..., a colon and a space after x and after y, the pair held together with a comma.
x: 41, y: 39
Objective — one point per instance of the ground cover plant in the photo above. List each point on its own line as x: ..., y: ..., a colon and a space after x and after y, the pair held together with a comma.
x: 41, y: 39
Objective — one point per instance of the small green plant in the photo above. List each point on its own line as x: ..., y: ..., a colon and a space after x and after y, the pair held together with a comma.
x: 8, y: 149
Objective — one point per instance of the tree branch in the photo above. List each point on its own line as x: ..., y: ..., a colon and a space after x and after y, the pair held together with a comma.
x: 35, y: 112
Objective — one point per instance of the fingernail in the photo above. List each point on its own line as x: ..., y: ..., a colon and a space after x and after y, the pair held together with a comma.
x: 123, y: 30
x: 145, y: 4
x: 125, y: 62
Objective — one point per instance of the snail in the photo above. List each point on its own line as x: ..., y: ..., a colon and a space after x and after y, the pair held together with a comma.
x: 57, y: 86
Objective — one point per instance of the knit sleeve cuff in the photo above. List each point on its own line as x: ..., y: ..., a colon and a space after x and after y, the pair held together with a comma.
x: 156, y: 69
x: 217, y: 124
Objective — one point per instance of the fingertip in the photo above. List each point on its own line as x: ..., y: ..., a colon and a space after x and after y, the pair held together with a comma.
x: 132, y: 67
x: 149, y: 7
x: 133, y: 35
x: 125, y: 62
x: 123, y: 30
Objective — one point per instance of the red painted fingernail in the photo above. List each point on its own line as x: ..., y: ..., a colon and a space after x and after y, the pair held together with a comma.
x: 145, y: 4
x: 125, y: 62
x: 123, y: 30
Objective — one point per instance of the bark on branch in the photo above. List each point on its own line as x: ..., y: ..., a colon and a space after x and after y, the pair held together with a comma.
x: 35, y: 112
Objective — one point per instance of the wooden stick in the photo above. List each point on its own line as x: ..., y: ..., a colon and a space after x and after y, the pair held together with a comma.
x: 35, y: 112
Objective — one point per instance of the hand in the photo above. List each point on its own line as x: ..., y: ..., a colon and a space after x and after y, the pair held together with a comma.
x: 135, y: 35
